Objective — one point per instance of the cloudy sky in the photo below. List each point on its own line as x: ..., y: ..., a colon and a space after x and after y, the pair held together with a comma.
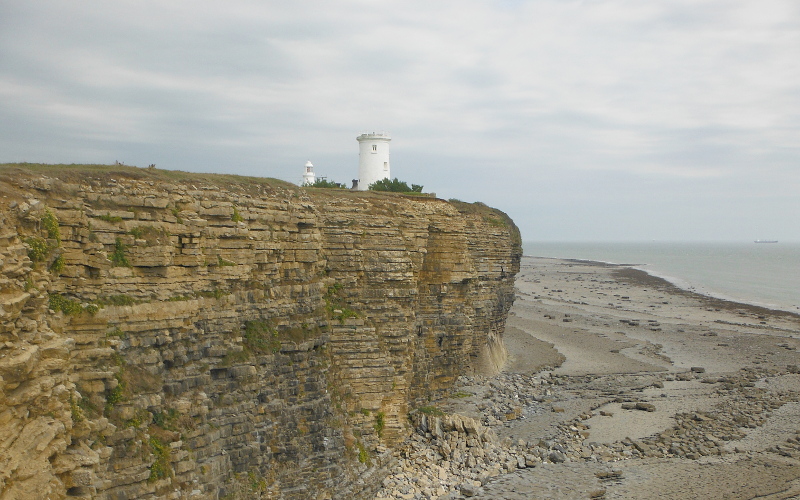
x: 585, y: 120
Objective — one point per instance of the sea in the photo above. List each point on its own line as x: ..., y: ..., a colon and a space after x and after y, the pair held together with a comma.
x: 764, y: 274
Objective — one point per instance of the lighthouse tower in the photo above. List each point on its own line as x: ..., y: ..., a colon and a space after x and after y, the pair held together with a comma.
x: 308, y: 175
x: 373, y: 158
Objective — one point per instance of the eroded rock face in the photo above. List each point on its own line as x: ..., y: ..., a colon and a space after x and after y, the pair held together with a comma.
x: 194, y: 337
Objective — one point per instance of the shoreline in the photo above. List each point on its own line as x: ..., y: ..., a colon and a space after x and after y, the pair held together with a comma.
x: 617, y: 382
x: 735, y: 271
x: 680, y: 286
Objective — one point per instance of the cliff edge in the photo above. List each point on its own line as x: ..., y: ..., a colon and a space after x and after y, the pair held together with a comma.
x: 174, y: 335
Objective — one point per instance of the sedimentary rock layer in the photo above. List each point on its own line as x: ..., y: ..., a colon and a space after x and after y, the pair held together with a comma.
x: 167, y: 335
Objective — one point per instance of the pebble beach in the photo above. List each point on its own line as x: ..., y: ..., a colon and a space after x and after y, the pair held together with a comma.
x: 617, y: 384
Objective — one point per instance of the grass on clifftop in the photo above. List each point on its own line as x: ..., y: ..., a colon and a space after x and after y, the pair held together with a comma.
x: 78, y: 172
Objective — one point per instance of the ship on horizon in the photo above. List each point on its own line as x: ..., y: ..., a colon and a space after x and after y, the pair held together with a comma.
x: 765, y: 241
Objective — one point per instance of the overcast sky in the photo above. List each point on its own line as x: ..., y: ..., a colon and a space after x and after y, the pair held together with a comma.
x: 584, y: 120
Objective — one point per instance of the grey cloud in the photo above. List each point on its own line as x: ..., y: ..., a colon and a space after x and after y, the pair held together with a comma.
x: 582, y: 119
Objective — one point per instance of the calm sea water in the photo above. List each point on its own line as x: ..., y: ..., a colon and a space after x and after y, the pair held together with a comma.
x: 766, y: 274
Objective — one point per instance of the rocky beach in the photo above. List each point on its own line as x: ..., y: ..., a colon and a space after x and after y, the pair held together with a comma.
x: 617, y: 385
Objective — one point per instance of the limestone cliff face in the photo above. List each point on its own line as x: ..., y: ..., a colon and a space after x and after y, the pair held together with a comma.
x: 167, y: 335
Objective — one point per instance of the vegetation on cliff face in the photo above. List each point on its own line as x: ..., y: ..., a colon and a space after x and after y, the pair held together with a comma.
x: 220, y: 334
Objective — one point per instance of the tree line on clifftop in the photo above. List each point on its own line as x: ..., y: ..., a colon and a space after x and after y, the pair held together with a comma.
x: 391, y: 185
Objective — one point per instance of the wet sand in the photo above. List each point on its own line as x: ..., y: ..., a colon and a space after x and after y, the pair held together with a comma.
x: 617, y: 330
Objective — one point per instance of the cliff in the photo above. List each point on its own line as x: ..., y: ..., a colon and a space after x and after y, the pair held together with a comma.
x: 173, y: 335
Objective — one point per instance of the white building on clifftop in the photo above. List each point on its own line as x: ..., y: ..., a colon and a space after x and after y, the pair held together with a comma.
x: 308, y: 175
x: 373, y: 159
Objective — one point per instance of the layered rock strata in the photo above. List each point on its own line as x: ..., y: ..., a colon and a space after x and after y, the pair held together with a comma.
x: 167, y: 335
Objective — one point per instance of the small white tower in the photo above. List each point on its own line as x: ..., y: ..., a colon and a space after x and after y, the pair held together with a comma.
x: 308, y: 175
x: 373, y: 158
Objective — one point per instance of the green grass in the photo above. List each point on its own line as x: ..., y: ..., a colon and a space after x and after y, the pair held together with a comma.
x: 431, y: 410
x: 235, y: 357
x: 110, y: 218
x: 167, y: 419
x: 224, y: 263
x: 212, y: 294
x: 75, y: 173
x: 151, y: 235
x: 117, y: 300
x: 335, y: 301
x: 116, y: 332
x: 260, y: 337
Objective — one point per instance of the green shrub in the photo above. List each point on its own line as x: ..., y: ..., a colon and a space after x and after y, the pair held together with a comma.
x: 380, y: 423
x: 69, y: 307
x: 176, y: 212
x: 363, y: 456
x: 38, y: 249
x: 161, y: 467
x: 57, y: 267
x: 325, y: 183
x: 118, y: 255
x: 75, y: 410
x: 50, y: 224
x: 117, y: 394
x: 236, y: 217
x: 395, y: 186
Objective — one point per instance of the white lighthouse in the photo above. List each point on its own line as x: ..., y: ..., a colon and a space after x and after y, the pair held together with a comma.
x: 308, y: 175
x: 373, y: 158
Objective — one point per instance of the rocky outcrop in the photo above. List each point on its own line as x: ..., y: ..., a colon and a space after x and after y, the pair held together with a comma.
x: 170, y: 335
